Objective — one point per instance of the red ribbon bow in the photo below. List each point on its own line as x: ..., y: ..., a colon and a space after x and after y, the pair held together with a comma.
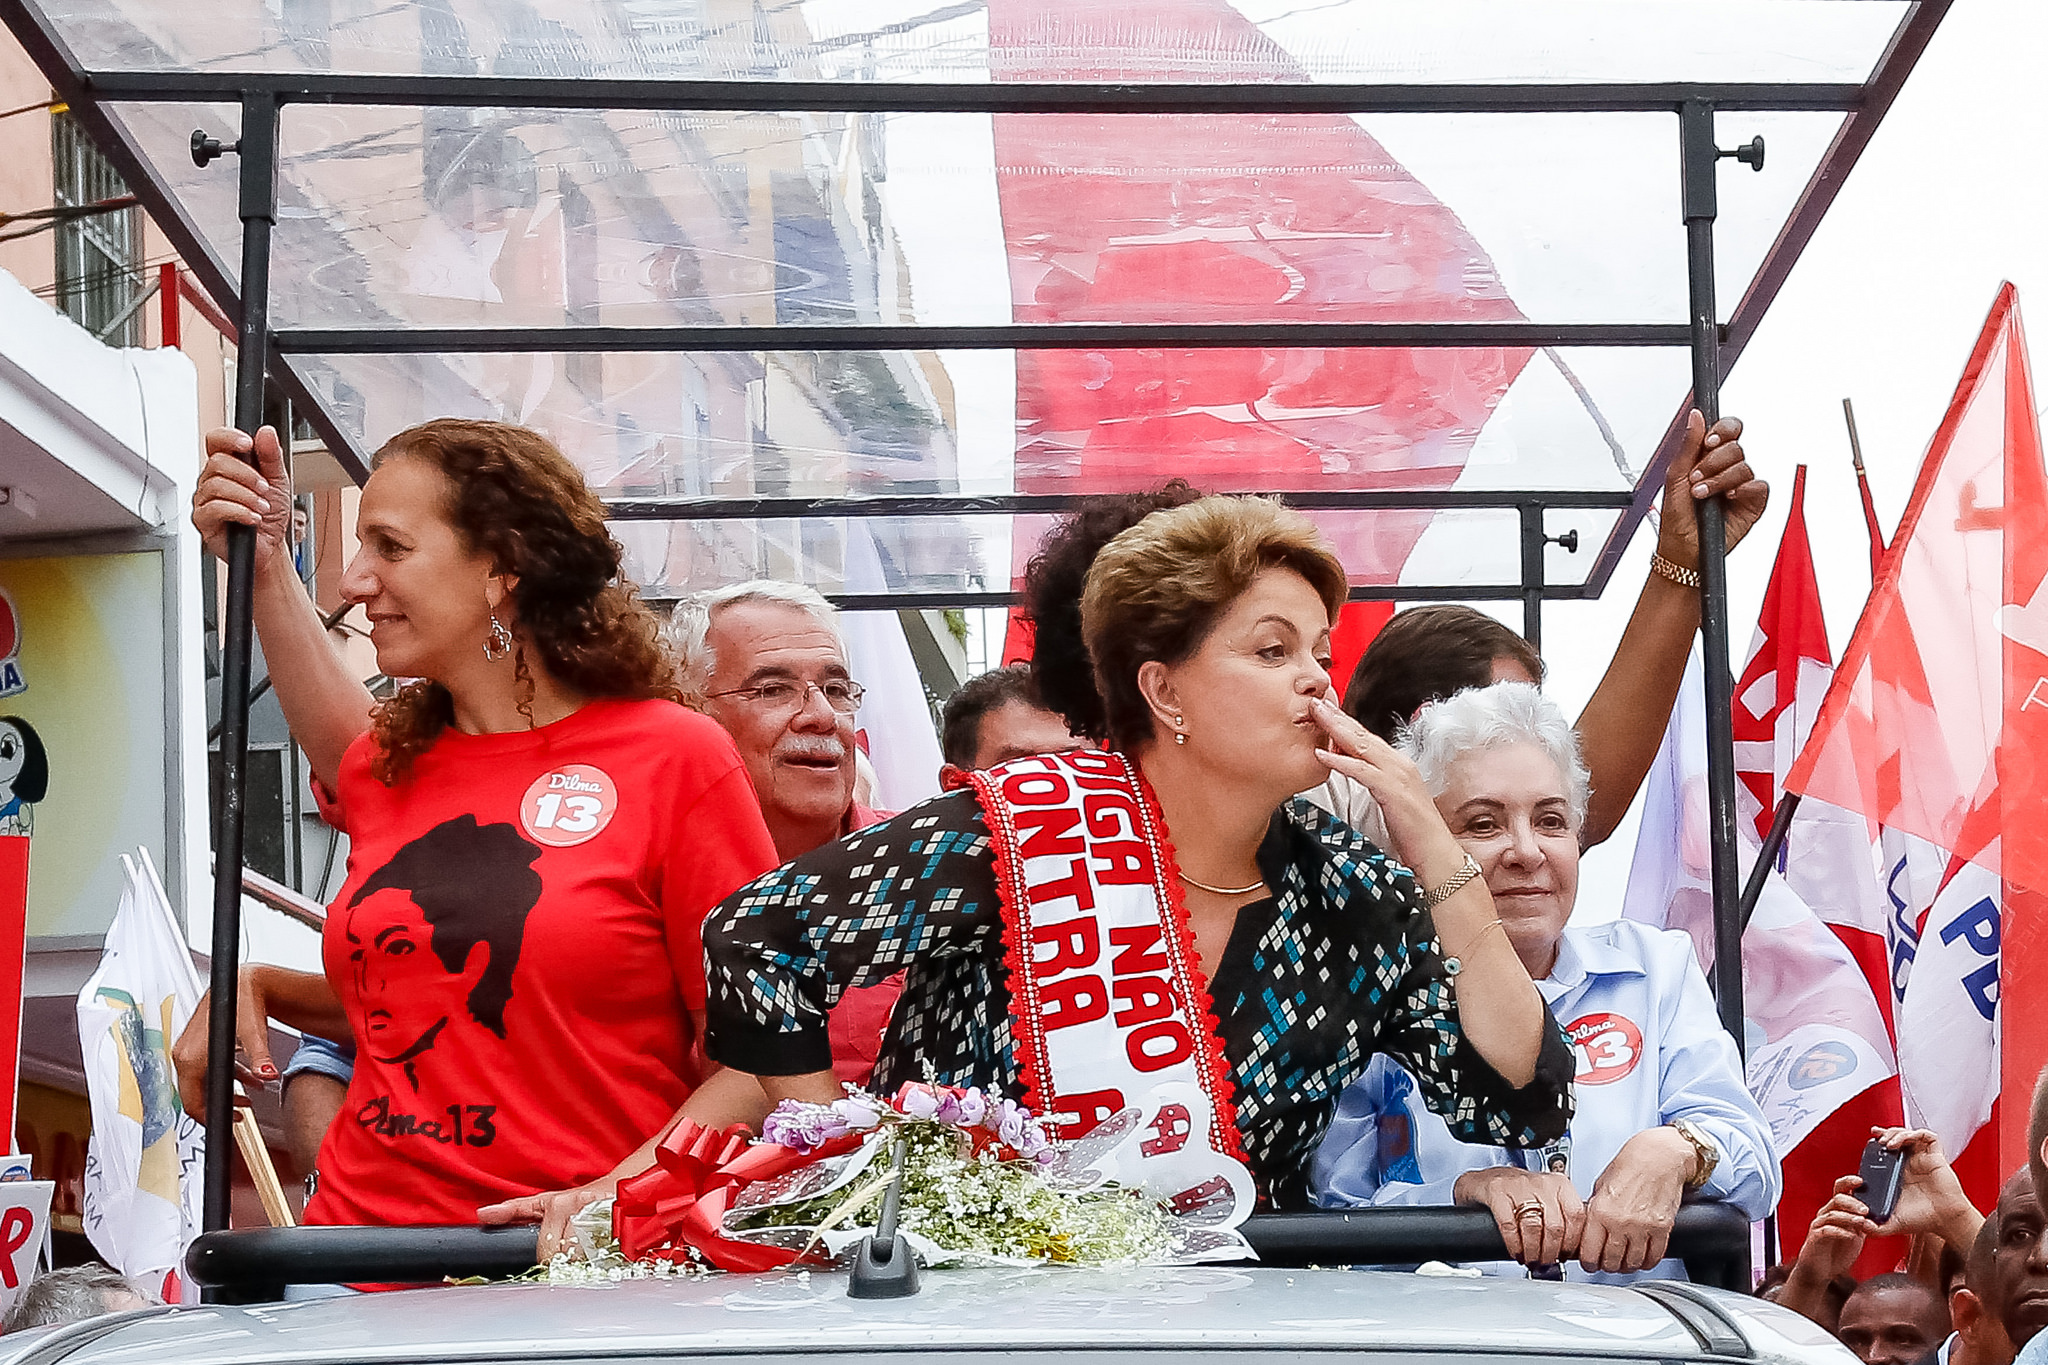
x: 682, y: 1199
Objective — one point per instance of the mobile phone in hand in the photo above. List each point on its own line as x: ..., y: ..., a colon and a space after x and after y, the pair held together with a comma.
x: 1883, y: 1171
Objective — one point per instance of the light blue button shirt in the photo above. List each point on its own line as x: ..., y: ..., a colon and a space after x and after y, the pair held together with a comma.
x: 1650, y: 1048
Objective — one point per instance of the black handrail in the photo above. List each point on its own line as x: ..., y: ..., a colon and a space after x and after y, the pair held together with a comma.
x: 253, y: 1265
x: 1712, y: 1239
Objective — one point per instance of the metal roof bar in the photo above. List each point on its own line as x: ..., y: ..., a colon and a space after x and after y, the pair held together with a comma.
x: 1909, y: 40
x: 1050, y: 504
x: 1001, y: 97
x: 56, y: 60
x: 940, y: 599
x: 330, y: 341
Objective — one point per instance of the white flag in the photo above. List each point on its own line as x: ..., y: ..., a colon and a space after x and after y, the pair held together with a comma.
x: 144, y: 1168
x: 895, y: 721
x: 1816, y: 1037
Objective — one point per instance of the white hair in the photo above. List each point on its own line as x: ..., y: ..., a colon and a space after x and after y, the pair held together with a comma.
x: 690, y: 625
x: 1491, y: 718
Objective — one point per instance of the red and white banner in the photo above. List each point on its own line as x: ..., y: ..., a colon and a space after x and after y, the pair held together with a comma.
x: 1939, y: 709
x: 1108, y: 1003
x: 24, y: 1231
x: 1819, y: 1046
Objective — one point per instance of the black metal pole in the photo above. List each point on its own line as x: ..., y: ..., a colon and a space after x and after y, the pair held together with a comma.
x: 258, y: 150
x: 1532, y: 574
x: 1760, y: 871
x: 1697, y: 161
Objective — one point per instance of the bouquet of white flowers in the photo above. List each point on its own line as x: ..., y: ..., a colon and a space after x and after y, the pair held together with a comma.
x: 982, y: 1184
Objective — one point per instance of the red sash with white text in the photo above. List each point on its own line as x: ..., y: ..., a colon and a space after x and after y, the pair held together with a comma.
x: 1108, y: 1006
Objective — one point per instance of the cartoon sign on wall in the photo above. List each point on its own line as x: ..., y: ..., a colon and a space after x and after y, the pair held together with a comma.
x: 24, y: 774
x: 11, y: 680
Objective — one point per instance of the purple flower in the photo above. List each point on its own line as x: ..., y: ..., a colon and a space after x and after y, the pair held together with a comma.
x: 858, y: 1112
x: 804, y: 1127
x: 971, y: 1107
x: 919, y: 1102
x: 1012, y: 1124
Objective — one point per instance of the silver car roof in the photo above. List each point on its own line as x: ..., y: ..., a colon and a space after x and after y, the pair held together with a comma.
x: 980, y: 1310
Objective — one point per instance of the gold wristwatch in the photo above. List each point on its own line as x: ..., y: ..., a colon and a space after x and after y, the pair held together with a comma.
x: 1703, y: 1147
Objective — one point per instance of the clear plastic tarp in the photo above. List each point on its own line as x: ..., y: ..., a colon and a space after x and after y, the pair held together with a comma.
x: 1348, y: 41
x: 395, y: 216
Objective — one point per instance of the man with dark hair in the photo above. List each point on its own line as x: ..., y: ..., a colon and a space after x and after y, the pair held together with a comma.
x: 2021, y: 1259
x: 1976, y: 1307
x: 994, y: 718
x: 2037, y: 1138
x: 2035, y: 1351
x: 74, y: 1294
x: 1424, y: 651
x: 1893, y: 1320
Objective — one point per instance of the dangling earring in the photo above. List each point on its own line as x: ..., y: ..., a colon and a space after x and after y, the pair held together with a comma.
x: 499, y: 643
x: 1179, y: 735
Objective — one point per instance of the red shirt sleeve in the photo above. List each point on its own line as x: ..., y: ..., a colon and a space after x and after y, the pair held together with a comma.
x: 718, y: 845
x: 328, y: 803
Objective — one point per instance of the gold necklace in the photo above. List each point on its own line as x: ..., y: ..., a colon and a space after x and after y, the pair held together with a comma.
x: 1222, y: 890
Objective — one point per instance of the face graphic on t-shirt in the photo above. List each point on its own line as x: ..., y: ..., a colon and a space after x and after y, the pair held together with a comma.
x: 408, y: 997
x: 434, y: 937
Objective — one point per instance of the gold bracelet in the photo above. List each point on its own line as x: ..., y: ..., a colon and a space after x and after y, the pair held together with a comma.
x: 1683, y: 577
x: 1456, y: 963
x: 1452, y: 885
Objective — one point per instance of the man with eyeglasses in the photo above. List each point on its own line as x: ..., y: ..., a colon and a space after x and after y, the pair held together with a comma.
x: 765, y: 660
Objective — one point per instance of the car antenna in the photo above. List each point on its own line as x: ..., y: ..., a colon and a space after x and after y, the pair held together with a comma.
x: 886, y: 1267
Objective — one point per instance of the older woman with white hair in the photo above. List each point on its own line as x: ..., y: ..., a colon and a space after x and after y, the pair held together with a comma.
x: 1662, y: 1114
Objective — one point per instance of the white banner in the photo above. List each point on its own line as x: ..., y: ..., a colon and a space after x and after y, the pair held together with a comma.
x: 24, y: 1227
x: 144, y: 1166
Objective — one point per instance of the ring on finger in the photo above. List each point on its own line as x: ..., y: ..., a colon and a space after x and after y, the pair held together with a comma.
x: 1529, y: 1209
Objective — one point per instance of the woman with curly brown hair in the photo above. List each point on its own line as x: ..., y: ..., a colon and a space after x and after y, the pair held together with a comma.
x: 1156, y: 935
x: 536, y: 832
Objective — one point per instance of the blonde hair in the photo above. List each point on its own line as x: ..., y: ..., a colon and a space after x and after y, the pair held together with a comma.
x: 1157, y: 589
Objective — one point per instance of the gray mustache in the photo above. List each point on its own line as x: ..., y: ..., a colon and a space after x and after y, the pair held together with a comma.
x: 830, y: 750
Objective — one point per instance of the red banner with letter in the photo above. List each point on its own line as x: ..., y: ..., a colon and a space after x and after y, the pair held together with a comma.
x: 13, y: 945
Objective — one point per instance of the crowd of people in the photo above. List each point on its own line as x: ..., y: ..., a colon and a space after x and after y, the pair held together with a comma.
x: 1975, y: 1291
x: 607, y: 871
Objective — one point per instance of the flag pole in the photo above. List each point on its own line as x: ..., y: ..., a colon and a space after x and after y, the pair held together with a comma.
x: 1863, y: 487
x: 1760, y: 871
x: 1698, y: 161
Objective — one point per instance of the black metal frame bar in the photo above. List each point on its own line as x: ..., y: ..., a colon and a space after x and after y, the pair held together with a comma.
x: 993, y: 97
x: 944, y: 598
x: 1699, y: 160
x: 1047, y: 504
x: 258, y: 165
x: 1058, y: 336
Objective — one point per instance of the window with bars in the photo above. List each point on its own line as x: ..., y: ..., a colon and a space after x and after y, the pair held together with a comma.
x: 99, y: 255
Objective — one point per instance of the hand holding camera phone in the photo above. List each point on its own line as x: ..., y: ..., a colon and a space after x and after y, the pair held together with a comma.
x: 1883, y: 1173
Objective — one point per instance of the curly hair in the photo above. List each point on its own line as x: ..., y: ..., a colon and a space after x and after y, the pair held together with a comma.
x: 514, y: 496
x: 1053, y: 580
x: 1157, y: 589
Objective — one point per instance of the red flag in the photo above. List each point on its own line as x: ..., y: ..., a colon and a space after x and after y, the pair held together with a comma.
x: 1937, y: 711
x: 1791, y: 639
x: 1249, y: 218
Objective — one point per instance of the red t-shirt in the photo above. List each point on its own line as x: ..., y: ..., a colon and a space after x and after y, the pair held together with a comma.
x: 519, y: 949
x: 860, y: 1021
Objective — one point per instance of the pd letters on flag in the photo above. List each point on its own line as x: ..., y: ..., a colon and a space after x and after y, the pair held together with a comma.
x: 1936, y: 715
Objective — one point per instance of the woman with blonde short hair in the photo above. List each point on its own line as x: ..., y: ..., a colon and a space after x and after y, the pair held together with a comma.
x: 1157, y: 926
